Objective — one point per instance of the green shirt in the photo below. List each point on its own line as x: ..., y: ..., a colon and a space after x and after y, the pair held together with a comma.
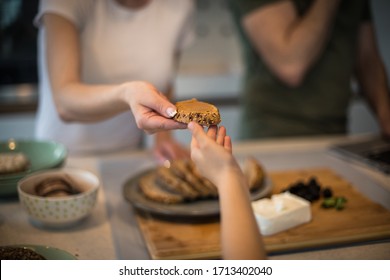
x: 319, y: 105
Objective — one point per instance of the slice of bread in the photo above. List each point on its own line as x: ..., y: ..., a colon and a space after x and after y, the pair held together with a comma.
x: 182, y: 169
x: 154, y: 192
x: 254, y: 173
x: 206, y: 183
x: 203, y: 113
x: 167, y: 180
x: 12, y: 162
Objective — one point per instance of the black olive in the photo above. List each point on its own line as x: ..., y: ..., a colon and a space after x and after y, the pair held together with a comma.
x: 313, y: 181
x: 327, y: 192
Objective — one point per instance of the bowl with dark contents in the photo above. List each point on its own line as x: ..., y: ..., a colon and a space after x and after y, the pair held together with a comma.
x: 58, y: 197
x: 33, y: 252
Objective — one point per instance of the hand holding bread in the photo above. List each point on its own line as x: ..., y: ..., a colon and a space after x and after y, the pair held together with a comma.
x: 152, y: 111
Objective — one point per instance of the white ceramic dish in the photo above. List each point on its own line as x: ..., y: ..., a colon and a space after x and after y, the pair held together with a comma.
x: 281, y: 212
x: 59, y: 211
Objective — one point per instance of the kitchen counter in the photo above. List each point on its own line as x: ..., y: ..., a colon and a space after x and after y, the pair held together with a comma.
x: 18, y: 98
x: 111, y: 231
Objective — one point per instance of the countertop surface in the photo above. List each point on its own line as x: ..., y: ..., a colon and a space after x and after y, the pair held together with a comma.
x: 112, y: 232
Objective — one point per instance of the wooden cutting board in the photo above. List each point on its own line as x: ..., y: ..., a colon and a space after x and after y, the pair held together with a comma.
x: 361, y: 220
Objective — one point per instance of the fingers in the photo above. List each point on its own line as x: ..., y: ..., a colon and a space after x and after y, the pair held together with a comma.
x: 169, y: 151
x: 155, y: 123
x: 228, y: 144
x: 198, y: 134
x: 159, y: 103
x: 196, y: 129
x: 162, y: 106
x: 216, y: 134
x: 221, y: 136
x: 212, y: 132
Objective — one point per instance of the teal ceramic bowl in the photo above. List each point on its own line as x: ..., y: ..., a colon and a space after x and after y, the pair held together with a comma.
x: 41, y: 155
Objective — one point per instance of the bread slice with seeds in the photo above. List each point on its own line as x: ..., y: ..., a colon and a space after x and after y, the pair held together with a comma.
x: 203, y: 113
x: 182, y: 169
x: 154, y: 192
x: 169, y: 181
x: 13, y: 162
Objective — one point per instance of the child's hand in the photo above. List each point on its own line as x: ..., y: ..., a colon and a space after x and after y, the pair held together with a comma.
x: 211, y: 152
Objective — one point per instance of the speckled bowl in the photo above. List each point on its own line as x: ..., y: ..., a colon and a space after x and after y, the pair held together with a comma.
x: 59, y: 211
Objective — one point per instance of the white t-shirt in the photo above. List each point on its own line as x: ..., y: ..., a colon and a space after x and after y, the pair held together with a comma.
x: 117, y: 44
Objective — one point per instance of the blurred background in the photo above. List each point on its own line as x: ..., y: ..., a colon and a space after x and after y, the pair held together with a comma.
x: 210, y: 70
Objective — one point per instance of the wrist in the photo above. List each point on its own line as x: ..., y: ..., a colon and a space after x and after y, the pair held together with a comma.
x: 230, y: 175
x: 124, y: 92
x: 128, y: 91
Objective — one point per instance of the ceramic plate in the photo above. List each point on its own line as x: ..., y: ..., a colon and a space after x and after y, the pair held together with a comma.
x: 49, y: 253
x: 41, y: 154
x: 201, y: 208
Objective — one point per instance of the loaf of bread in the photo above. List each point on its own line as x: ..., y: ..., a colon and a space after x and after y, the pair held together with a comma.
x: 203, y: 113
x: 181, y: 183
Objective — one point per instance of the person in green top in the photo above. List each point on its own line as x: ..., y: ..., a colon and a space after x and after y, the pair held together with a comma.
x: 300, y: 57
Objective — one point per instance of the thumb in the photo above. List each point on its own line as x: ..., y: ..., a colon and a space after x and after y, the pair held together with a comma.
x: 198, y: 133
x: 162, y: 106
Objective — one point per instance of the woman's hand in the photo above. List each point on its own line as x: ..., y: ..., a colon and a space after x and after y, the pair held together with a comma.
x: 167, y: 148
x: 151, y: 109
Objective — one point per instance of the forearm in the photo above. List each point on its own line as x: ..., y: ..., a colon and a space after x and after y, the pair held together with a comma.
x: 212, y: 154
x: 76, y: 100
x: 306, y: 38
x: 89, y: 103
x: 290, y: 44
x: 373, y: 82
x: 372, y: 77
x: 241, y: 237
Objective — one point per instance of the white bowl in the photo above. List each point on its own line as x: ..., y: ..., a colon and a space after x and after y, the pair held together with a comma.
x: 59, y: 211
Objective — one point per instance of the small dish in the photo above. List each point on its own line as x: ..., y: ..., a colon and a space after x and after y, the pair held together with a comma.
x: 281, y: 212
x: 49, y: 253
x: 61, y: 211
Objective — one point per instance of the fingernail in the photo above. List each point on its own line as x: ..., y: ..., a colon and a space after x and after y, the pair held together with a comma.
x: 171, y: 112
x: 167, y: 163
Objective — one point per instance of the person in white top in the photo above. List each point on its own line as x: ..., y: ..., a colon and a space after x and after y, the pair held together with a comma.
x: 102, y: 60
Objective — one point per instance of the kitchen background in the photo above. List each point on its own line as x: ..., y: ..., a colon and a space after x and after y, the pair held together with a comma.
x: 210, y: 70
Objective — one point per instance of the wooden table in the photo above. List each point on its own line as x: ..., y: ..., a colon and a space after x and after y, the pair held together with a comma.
x: 112, y: 231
